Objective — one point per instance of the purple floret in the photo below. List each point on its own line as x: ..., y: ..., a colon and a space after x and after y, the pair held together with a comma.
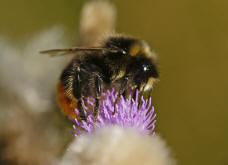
x: 127, y: 114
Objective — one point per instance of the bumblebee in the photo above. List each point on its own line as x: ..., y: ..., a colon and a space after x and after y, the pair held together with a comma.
x: 121, y: 62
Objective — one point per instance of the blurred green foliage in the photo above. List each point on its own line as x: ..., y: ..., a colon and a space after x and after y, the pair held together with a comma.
x: 191, y: 38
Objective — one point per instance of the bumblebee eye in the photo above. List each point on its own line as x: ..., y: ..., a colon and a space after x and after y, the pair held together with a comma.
x: 124, y: 52
x: 149, y: 70
x: 145, y: 68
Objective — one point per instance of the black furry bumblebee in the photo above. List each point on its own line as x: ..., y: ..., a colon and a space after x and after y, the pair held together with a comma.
x: 124, y: 63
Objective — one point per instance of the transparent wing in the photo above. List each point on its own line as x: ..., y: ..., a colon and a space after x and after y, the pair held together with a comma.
x: 76, y: 50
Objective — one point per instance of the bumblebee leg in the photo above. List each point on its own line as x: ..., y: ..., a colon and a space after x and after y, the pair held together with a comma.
x: 77, y: 93
x: 97, y: 83
x: 125, y: 93
x: 121, y: 91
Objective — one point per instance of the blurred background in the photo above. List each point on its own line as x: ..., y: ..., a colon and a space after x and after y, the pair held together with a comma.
x: 190, y: 37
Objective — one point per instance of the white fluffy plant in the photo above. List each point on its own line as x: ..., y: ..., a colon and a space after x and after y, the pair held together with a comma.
x: 27, y: 134
x: 28, y: 75
x: 115, y: 145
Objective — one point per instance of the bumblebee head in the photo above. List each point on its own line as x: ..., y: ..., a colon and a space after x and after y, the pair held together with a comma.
x: 142, y: 71
x: 141, y: 63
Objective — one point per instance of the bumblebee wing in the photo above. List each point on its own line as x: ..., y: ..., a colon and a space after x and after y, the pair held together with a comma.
x: 74, y: 51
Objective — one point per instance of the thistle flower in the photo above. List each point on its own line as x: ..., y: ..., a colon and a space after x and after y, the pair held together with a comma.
x: 128, y: 114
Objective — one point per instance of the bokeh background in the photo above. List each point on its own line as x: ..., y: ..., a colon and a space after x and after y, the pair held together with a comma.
x: 191, y: 39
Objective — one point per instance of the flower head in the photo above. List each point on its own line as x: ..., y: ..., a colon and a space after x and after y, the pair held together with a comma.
x: 128, y: 114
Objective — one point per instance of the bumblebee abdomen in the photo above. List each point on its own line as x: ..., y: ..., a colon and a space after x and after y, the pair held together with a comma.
x: 66, y: 104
